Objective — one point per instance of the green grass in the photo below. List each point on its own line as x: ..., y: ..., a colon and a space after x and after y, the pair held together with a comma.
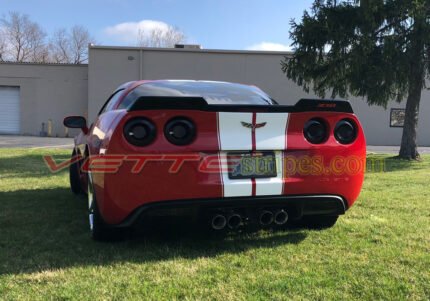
x: 379, y: 250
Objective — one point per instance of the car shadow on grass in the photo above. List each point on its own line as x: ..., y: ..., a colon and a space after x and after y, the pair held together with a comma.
x: 47, y: 229
x: 30, y: 165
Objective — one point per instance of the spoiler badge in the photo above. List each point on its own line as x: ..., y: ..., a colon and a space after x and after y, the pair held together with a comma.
x: 253, y: 126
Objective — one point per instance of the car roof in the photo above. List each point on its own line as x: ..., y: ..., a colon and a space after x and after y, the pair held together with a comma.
x: 214, y: 92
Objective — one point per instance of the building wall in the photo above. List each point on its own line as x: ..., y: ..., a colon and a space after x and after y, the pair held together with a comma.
x: 47, y: 92
x: 111, y: 66
x: 54, y: 91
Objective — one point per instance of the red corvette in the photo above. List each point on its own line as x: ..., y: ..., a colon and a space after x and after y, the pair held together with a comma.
x: 222, y: 151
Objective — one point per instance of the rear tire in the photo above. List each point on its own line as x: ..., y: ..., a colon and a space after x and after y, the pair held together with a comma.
x: 75, y: 181
x: 100, y: 231
x: 319, y: 222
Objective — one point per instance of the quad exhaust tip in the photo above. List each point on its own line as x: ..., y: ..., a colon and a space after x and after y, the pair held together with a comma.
x: 266, y: 218
x: 234, y: 221
x: 280, y: 217
x: 218, y: 222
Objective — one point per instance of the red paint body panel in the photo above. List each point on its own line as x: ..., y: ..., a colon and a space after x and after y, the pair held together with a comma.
x: 119, y: 194
x: 345, y: 185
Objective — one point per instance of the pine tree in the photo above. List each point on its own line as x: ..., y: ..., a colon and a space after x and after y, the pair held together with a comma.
x: 375, y: 49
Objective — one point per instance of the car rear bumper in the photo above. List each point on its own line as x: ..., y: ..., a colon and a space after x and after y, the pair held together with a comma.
x: 296, y: 205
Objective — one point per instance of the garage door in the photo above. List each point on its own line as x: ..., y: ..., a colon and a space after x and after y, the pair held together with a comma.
x: 9, y: 110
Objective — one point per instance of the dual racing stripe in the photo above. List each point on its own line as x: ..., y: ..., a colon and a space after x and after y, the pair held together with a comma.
x: 252, y: 132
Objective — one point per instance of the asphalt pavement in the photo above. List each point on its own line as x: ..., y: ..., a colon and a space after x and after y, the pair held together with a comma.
x: 7, y: 141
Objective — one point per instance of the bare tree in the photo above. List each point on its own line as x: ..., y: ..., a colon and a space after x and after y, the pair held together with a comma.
x: 59, y: 46
x: 42, y: 55
x: 2, y: 45
x: 38, y: 50
x: 159, y: 37
x: 24, y: 39
x: 80, y: 38
x: 70, y: 47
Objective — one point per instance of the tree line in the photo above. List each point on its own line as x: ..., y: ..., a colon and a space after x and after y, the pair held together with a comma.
x: 23, y: 40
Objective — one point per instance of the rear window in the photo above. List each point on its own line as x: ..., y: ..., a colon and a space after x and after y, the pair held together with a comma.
x: 215, y: 93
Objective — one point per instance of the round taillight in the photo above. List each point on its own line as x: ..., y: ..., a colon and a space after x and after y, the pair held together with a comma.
x: 140, y: 131
x: 315, y: 131
x: 345, y: 131
x: 180, y: 131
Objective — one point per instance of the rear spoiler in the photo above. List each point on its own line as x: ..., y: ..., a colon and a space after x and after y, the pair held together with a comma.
x: 200, y: 104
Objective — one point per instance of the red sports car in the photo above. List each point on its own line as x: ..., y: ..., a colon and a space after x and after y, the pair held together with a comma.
x: 225, y: 152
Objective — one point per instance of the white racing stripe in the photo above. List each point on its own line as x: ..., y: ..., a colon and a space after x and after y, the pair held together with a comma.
x: 272, y: 137
x: 237, y: 187
x: 233, y: 136
x: 272, y: 186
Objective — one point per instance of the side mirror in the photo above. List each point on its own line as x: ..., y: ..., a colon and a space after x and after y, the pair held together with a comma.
x: 76, y: 122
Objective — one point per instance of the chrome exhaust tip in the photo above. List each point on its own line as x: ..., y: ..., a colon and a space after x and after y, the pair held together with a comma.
x: 218, y: 222
x: 266, y: 218
x: 234, y: 221
x: 280, y: 217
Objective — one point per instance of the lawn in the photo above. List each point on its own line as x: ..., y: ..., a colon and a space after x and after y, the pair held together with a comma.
x: 379, y: 250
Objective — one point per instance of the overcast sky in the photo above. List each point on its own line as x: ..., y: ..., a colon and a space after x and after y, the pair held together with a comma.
x: 215, y: 24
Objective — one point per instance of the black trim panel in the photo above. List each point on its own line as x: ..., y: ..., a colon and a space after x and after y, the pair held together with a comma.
x: 306, y: 204
x: 200, y: 104
x: 308, y: 104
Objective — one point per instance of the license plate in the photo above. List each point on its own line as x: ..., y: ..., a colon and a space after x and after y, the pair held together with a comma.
x: 251, y: 165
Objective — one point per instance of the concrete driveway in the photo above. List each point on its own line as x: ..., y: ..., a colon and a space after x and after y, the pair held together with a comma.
x: 67, y: 143
x: 35, y: 142
x: 393, y: 149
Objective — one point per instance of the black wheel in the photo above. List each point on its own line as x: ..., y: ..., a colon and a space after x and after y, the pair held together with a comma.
x: 75, y: 181
x: 319, y: 222
x: 100, y: 231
